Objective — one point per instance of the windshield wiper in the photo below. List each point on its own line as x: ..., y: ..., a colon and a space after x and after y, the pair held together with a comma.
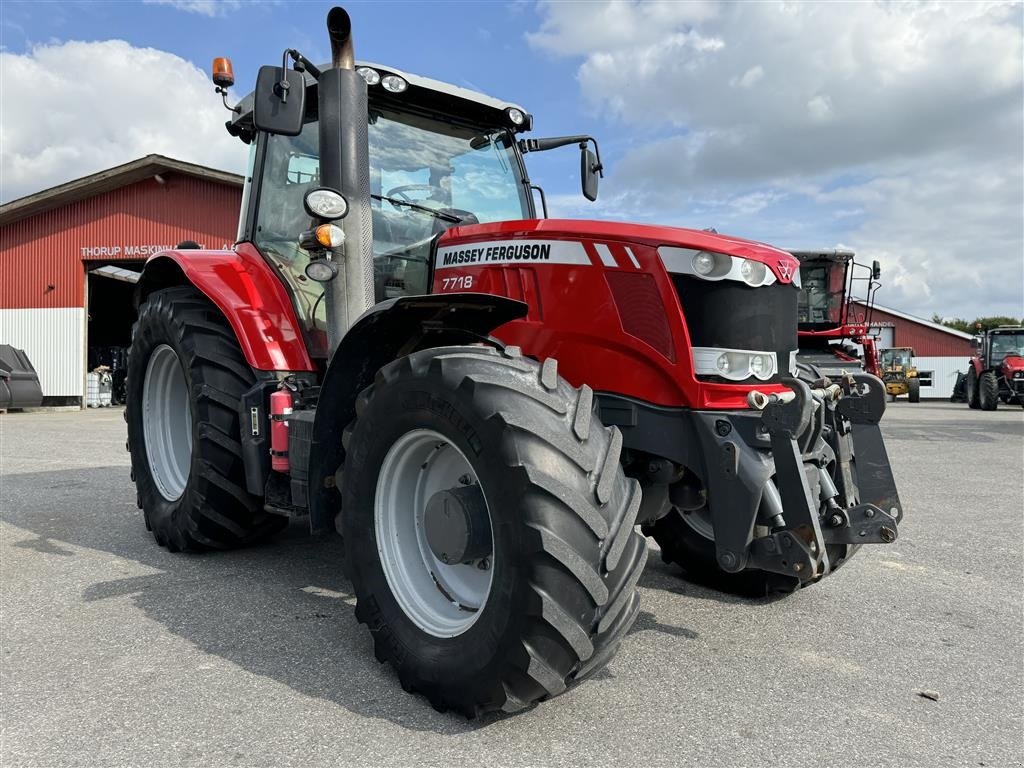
x: 417, y: 207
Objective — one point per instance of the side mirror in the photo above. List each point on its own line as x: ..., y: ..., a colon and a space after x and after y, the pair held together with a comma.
x: 279, y: 103
x: 589, y: 170
x: 876, y: 270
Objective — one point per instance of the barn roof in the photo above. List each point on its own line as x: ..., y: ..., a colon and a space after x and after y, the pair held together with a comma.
x: 921, y: 321
x: 104, y: 181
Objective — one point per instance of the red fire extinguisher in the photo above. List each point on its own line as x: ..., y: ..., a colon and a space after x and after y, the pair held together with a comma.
x: 280, y: 411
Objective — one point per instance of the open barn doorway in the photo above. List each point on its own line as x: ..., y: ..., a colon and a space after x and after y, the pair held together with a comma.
x: 110, y: 291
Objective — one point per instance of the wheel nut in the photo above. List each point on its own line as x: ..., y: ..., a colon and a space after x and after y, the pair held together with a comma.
x: 484, y: 564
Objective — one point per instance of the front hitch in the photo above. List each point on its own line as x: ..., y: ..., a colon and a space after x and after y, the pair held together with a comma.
x: 798, y: 425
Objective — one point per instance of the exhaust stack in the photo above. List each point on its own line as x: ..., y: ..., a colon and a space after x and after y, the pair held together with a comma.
x: 339, y: 28
x: 345, y: 166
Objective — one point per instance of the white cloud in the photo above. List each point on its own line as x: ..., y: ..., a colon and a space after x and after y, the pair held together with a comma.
x: 896, y: 125
x: 572, y: 28
x: 75, y: 108
x: 202, y: 7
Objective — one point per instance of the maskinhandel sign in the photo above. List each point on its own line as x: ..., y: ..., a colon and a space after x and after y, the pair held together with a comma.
x: 139, y: 251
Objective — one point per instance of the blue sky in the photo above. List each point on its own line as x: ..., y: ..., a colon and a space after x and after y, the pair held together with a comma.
x: 894, y: 129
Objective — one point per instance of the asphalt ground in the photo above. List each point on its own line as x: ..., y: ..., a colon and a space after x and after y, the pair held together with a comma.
x: 116, y: 652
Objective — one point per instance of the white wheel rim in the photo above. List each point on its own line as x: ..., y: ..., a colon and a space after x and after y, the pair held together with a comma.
x: 167, y: 422
x: 441, y: 599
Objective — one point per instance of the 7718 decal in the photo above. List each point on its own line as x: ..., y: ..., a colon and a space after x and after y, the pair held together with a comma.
x: 457, y: 283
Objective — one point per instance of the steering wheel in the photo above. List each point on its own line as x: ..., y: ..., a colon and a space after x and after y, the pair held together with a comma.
x: 402, y: 192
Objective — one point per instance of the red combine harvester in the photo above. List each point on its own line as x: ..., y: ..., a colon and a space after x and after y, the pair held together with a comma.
x: 378, y: 353
x: 834, y: 329
x: 997, y: 371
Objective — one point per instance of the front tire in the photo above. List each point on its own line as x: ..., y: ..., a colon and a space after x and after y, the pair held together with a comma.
x: 971, y: 389
x: 186, y: 374
x: 564, y: 556
x: 988, y: 391
x: 914, y: 390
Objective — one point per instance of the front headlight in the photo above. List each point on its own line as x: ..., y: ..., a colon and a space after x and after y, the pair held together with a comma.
x: 734, y: 364
x: 708, y: 265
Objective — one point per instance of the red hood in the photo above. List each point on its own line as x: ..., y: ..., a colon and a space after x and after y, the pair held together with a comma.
x: 1012, y: 363
x: 781, y: 263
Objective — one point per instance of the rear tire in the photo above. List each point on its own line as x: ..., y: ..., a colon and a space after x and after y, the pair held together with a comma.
x: 914, y: 390
x: 564, y: 553
x: 186, y: 374
x: 988, y: 391
x: 971, y: 389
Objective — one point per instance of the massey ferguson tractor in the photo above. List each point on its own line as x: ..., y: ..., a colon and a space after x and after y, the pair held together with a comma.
x: 997, y: 371
x: 378, y: 351
x: 834, y: 329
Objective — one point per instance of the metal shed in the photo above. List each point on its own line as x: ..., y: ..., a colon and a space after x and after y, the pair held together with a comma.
x: 59, y: 299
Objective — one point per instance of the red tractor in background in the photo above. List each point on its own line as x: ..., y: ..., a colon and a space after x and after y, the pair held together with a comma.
x: 378, y: 352
x: 834, y: 328
x: 997, y: 371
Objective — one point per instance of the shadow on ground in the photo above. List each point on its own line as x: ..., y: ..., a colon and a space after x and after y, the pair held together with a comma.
x: 282, y: 610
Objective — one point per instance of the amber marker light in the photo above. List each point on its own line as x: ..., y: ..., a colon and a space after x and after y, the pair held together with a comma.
x: 223, y: 73
x: 330, y: 235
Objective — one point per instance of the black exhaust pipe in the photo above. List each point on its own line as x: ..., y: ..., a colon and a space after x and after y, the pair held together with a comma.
x: 345, y: 166
x: 339, y: 28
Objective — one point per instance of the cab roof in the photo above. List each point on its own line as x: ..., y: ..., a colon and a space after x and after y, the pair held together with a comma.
x: 423, y: 93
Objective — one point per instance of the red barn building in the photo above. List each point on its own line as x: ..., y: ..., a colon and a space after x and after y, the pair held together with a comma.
x: 939, y: 352
x: 62, y: 297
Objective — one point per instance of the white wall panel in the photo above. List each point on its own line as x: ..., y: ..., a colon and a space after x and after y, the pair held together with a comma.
x: 944, y: 370
x: 54, y: 340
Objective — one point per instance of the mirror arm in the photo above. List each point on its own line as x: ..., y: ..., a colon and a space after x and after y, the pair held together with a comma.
x: 302, y: 64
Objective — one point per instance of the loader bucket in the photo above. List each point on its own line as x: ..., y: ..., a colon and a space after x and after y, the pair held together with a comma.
x: 19, y: 383
x: 874, y: 474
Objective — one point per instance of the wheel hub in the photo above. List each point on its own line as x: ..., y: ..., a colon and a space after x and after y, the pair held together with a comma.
x: 457, y: 526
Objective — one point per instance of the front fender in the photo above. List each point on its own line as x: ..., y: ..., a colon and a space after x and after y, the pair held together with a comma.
x: 383, y: 333
x: 247, y: 292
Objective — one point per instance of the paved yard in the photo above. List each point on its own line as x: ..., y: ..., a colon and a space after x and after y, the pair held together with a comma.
x: 115, y: 652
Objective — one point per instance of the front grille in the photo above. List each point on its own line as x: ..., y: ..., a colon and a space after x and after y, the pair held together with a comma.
x: 733, y: 316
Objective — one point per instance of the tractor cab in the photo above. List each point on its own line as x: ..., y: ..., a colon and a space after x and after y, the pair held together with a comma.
x: 1001, y: 343
x: 439, y: 156
x: 834, y: 311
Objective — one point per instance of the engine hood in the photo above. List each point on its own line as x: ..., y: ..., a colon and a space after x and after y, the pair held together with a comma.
x: 782, y: 264
x: 1011, y: 364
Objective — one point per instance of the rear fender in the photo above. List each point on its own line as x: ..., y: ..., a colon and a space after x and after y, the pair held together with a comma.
x: 247, y: 292
x: 383, y: 333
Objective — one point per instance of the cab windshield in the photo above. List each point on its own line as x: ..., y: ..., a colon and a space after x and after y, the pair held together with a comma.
x: 822, y: 294
x: 1004, y: 344
x: 895, y: 357
x: 426, y: 175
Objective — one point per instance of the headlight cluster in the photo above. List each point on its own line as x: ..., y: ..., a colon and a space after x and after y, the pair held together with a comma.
x: 734, y: 364
x: 708, y: 265
x: 393, y: 83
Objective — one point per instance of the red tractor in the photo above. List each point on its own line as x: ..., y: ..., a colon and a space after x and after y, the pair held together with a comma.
x: 997, y: 371
x: 378, y: 353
